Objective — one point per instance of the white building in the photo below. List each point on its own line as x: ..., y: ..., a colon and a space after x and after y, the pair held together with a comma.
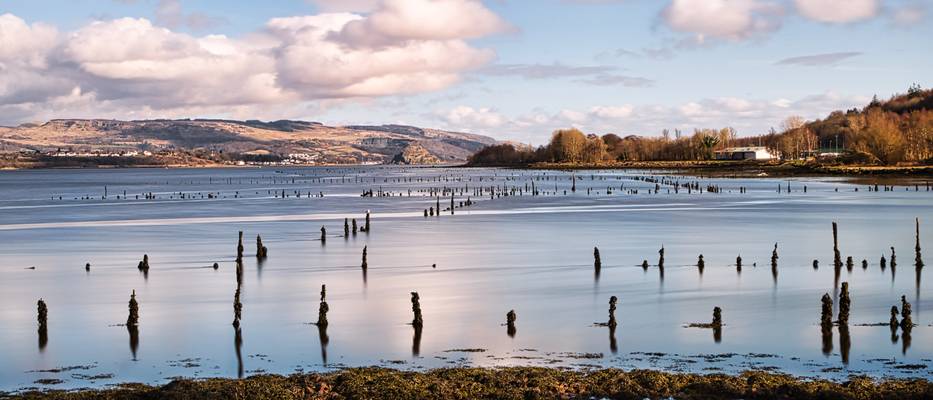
x: 745, y: 153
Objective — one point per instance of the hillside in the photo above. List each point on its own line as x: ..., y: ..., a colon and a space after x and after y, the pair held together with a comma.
x: 297, y: 141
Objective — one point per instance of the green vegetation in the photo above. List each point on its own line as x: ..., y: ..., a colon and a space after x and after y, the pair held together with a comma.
x: 510, y: 383
x: 895, y: 132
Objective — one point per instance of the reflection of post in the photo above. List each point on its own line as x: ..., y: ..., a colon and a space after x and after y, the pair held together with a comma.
x: 416, y: 342
x: 919, y: 260
x: 827, y: 341
x: 845, y: 343
x: 237, y: 346
x: 613, y: 345
x: 324, y: 339
x: 134, y: 339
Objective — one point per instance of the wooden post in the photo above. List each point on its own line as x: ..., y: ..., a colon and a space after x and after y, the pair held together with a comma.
x: 133, y: 318
x: 417, y: 321
x: 597, y: 263
x: 365, y: 264
x: 844, y: 304
x: 612, y: 312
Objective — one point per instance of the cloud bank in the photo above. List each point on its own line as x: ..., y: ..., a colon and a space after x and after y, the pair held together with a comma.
x: 133, y: 67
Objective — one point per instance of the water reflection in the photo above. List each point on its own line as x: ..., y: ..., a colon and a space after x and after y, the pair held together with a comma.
x: 237, y: 346
x: 613, y: 346
x: 827, y: 334
x: 845, y: 343
x: 717, y: 334
x: 416, y: 342
x: 133, y: 330
x: 43, y: 337
x: 324, y: 339
x: 905, y: 341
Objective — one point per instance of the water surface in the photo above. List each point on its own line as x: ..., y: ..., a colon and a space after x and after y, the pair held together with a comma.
x: 533, y: 254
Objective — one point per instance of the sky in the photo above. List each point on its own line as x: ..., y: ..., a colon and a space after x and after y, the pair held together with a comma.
x: 511, y: 69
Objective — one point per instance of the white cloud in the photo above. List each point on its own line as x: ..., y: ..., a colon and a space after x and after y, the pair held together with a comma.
x: 346, y: 5
x: 130, y: 64
x: 748, y: 116
x: 722, y: 19
x: 472, y: 118
x: 909, y: 15
x: 397, y: 21
x: 838, y: 11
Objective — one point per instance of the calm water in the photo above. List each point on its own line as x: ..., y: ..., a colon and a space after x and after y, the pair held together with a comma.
x: 530, y: 254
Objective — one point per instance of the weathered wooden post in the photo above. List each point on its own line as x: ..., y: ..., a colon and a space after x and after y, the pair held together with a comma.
x: 774, y: 257
x: 354, y: 227
x: 919, y: 260
x: 365, y: 264
x: 239, y: 248
x: 893, y: 322
x: 906, y: 322
x: 864, y: 264
x: 346, y: 228
x: 510, y: 318
x: 844, y: 304
x: 87, y: 266
x: 644, y: 265
x: 237, y: 309
x: 883, y: 262
x: 826, y: 315
x: 417, y: 322
x: 612, y: 312
x: 717, y: 317
x: 738, y: 263
x: 323, y: 235
x: 597, y: 263
x: 816, y: 264
x: 837, y: 257
x: 323, y: 309
x: 661, y: 257
x: 144, y: 264
x: 700, y: 263
x: 133, y: 318
x: 367, y: 222
x: 261, y: 251
x: 43, y: 318
x: 893, y: 258
x: 849, y: 263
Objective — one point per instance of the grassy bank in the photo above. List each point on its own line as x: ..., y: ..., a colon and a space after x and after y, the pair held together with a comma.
x: 752, y: 168
x: 510, y: 383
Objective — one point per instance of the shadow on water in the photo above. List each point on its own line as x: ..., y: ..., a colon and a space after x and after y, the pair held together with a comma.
x: 238, y: 346
x: 324, y: 339
x: 134, y: 339
x: 416, y: 342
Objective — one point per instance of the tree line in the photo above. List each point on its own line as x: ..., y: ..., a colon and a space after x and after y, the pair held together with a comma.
x: 883, y: 132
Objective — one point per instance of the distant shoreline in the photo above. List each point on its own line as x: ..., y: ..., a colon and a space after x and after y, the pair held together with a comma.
x: 509, y: 383
x: 741, y: 169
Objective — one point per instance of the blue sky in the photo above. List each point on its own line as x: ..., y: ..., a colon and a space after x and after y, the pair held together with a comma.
x: 510, y: 69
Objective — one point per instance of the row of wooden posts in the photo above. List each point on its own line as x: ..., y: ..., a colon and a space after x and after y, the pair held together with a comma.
x: 905, y: 324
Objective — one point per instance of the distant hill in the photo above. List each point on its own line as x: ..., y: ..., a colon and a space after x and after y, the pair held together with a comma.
x: 310, y: 141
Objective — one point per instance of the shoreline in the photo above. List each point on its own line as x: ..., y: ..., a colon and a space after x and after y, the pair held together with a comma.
x: 507, y: 383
